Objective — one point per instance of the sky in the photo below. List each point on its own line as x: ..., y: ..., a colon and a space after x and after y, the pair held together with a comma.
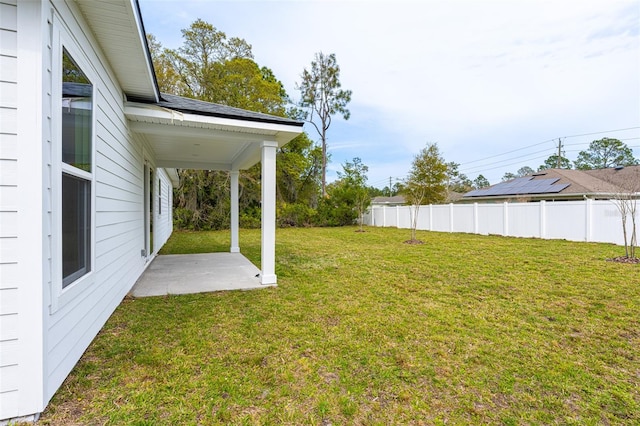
x: 494, y: 84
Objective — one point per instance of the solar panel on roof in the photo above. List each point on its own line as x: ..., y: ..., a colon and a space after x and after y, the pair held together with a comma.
x: 520, y: 186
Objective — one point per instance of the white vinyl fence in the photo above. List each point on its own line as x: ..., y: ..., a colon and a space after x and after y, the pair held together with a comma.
x: 586, y: 220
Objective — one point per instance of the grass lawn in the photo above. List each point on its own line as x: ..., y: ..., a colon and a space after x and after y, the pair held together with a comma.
x: 363, y: 329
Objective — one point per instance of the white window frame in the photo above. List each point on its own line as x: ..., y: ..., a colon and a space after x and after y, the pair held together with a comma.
x: 63, y: 39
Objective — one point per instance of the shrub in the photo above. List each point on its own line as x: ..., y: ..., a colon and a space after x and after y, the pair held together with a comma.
x: 297, y: 214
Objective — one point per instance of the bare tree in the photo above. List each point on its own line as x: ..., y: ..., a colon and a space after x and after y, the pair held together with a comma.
x: 626, y: 200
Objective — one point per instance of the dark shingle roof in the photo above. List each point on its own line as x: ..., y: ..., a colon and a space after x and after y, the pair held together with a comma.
x: 397, y: 199
x: 568, y: 182
x: 193, y: 106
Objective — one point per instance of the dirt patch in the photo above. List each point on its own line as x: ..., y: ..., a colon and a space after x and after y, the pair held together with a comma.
x: 414, y: 241
x: 625, y: 259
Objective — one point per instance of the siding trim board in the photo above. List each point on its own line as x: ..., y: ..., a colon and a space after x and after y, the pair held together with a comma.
x: 32, y: 27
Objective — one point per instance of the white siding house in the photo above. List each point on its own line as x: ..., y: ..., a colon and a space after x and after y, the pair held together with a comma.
x: 9, y: 282
x: 88, y: 151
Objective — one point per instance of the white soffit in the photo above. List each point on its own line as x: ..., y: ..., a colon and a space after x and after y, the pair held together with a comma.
x: 184, y: 141
x: 117, y: 26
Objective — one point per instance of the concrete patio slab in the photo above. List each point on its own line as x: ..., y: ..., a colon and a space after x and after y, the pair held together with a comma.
x: 197, y: 273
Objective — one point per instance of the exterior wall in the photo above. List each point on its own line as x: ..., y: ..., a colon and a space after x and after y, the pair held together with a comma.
x: 594, y: 221
x: 9, y: 284
x: 163, y: 221
x: 76, y: 314
x: 44, y: 329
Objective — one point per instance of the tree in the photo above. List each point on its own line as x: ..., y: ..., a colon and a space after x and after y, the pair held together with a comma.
x: 522, y: 171
x: 210, y: 67
x: 298, y: 181
x: 481, y: 182
x: 552, y: 163
x: 426, y: 182
x: 166, y: 75
x: 396, y: 189
x: 348, y: 197
x: 525, y: 171
x: 322, y: 97
x: 355, y: 175
x: 197, y: 61
x: 603, y: 153
x: 508, y: 176
x: 457, y: 181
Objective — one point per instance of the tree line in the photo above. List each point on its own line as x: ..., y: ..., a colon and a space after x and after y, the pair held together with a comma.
x: 212, y: 67
x: 601, y: 154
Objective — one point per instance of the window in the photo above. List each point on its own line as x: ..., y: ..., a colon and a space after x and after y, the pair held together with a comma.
x: 77, y: 118
x: 159, y: 197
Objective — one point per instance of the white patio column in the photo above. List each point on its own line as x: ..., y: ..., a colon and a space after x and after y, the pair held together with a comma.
x: 268, y: 247
x: 235, y: 216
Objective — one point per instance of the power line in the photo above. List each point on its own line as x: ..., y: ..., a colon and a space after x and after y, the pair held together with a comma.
x: 599, y: 133
x: 481, y: 168
x: 587, y: 143
x: 509, y: 152
x: 506, y: 165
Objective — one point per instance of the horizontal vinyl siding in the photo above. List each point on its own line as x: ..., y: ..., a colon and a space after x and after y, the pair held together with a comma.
x: 118, y: 220
x: 9, y: 331
x: 163, y: 223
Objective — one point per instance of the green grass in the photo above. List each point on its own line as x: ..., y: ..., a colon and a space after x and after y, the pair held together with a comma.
x: 363, y: 329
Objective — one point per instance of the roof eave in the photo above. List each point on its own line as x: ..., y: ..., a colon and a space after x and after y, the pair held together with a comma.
x: 131, y: 61
x: 145, y: 112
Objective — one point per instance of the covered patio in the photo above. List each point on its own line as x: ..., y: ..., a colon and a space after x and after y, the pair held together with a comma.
x: 190, y: 134
x: 197, y: 273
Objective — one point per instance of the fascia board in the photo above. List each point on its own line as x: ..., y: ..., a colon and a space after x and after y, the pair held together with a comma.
x: 281, y: 133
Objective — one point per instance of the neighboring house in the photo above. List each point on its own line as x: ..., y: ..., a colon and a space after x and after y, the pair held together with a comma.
x: 88, y: 151
x: 562, y: 185
x: 397, y: 200
x: 453, y: 197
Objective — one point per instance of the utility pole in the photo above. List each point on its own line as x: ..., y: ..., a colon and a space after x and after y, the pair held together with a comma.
x: 389, y: 186
x: 559, y: 153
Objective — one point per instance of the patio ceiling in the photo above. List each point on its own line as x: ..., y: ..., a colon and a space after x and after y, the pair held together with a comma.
x: 190, y: 141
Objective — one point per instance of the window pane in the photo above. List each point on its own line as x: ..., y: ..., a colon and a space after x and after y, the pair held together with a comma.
x: 76, y: 228
x: 77, y: 102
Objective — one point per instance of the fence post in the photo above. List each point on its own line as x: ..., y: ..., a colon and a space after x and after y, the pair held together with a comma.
x: 384, y: 216
x: 543, y: 219
x: 505, y: 225
x: 430, y: 217
x: 373, y: 216
x: 450, y: 217
x: 398, y: 217
x: 588, y: 216
x: 476, y: 222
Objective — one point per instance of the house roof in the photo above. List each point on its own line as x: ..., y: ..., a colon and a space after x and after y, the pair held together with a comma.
x: 197, y: 141
x: 561, y: 183
x: 395, y: 200
x: 181, y: 132
x: 194, y: 106
x: 625, y: 178
x: 119, y: 30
